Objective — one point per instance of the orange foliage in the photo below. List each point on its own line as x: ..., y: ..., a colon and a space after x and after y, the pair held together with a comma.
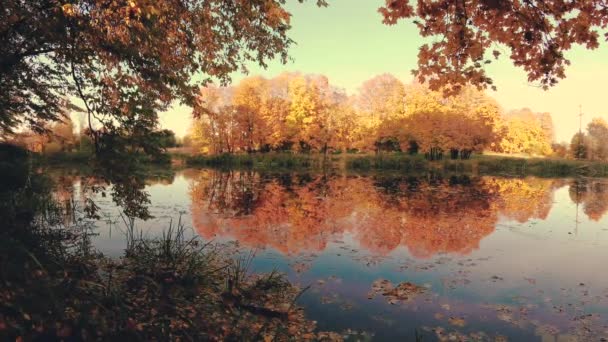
x: 592, y: 194
x: 537, y: 35
x: 525, y: 132
x: 295, y: 214
x: 304, y: 112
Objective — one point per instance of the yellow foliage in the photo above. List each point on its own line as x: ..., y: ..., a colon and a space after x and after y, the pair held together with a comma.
x: 302, y: 112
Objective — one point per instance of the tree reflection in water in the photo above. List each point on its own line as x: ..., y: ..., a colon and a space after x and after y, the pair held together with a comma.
x: 428, y: 215
x: 593, y: 195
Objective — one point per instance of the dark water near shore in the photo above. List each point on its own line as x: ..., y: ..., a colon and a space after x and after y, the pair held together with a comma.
x: 476, y: 257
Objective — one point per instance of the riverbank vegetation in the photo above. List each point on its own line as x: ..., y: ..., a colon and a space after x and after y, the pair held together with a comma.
x: 404, y: 163
x: 63, y: 142
x: 483, y: 165
x: 266, y: 161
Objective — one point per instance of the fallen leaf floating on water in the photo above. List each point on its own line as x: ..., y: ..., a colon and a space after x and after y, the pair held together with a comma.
x: 383, y: 319
x: 443, y: 335
x: 403, y: 292
x: 346, y: 306
x: 457, y: 321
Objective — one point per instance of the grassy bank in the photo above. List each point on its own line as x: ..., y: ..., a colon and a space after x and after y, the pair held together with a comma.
x: 401, y: 162
x: 87, y: 157
x: 478, y: 164
x: 540, y: 167
x: 262, y: 161
x: 483, y: 165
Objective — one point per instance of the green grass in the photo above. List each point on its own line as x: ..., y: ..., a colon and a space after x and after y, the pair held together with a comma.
x: 65, y: 157
x: 478, y: 164
x: 86, y: 157
x: 540, y: 167
x: 265, y: 161
x: 401, y: 162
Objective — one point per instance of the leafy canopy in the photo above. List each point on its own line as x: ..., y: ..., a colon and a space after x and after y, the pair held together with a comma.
x: 536, y: 34
x: 126, y: 59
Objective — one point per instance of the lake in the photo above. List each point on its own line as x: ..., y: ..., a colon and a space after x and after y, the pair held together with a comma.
x: 396, y: 257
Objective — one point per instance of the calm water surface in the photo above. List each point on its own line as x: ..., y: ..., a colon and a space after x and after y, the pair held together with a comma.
x: 471, y: 257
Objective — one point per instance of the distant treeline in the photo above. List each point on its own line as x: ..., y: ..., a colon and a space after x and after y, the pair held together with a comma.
x: 61, y: 141
x: 295, y: 112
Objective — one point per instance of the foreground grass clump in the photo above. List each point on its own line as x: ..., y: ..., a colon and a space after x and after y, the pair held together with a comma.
x: 259, y: 161
x: 164, y: 289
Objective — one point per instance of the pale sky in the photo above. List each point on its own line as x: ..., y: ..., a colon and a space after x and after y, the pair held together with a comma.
x: 348, y: 43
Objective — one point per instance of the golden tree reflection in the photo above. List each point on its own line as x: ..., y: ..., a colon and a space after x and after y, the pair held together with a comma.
x: 448, y: 218
x: 522, y: 199
x: 592, y: 194
x: 261, y: 212
x: 302, y: 213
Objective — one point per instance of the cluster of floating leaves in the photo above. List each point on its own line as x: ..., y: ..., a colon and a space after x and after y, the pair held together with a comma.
x: 443, y: 334
x: 403, y: 292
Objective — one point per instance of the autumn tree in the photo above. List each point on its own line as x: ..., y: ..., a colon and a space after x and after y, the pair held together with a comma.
x: 578, y: 146
x: 126, y: 60
x: 459, y: 124
x: 560, y: 149
x: 302, y: 105
x: 61, y: 136
x: 543, y: 120
x: 432, y: 131
x: 546, y: 123
x: 597, y: 139
x: 305, y: 105
x: 247, y: 102
x: 214, y: 121
x: 326, y: 131
x: 380, y: 104
x: 524, y: 131
x: 291, y: 111
x: 478, y: 122
x: 275, y: 109
x: 345, y: 131
x: 166, y: 138
x: 469, y: 34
